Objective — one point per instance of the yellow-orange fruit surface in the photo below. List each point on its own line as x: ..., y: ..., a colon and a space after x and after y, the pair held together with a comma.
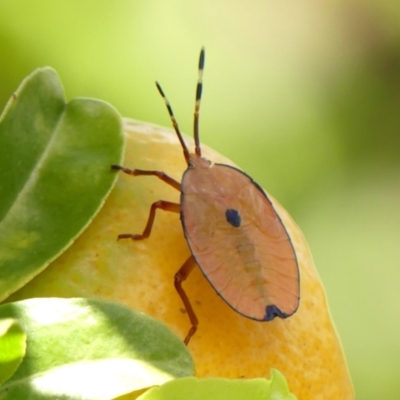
x: 304, y: 347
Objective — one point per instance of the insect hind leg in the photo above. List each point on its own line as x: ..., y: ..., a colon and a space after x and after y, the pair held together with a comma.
x: 181, y: 276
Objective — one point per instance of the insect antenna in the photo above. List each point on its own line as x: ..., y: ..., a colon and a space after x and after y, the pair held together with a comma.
x: 199, y: 90
x: 174, y: 123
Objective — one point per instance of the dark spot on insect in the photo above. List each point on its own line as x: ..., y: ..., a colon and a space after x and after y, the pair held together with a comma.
x: 182, y: 310
x: 233, y: 217
x: 273, y: 311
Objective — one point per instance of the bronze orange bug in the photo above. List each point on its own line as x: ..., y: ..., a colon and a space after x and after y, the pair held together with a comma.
x: 233, y: 231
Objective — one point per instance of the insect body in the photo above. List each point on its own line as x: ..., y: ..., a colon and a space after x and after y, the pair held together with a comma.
x: 233, y: 231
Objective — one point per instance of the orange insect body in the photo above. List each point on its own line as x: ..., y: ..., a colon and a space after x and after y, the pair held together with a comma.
x: 233, y: 231
x: 247, y: 258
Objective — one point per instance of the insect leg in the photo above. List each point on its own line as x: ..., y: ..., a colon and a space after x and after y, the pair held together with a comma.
x: 161, y: 175
x: 163, y: 205
x: 181, y: 276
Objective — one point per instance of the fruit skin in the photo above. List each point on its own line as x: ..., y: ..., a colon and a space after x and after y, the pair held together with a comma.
x: 304, y: 347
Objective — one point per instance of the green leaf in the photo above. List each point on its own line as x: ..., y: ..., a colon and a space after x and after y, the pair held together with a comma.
x: 54, y: 173
x: 279, y: 387
x: 12, y: 347
x: 221, y: 389
x: 91, y: 349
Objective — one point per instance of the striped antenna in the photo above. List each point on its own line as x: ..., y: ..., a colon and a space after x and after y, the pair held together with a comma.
x: 174, y: 123
x: 199, y: 90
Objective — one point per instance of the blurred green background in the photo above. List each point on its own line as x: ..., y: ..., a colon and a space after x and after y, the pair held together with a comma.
x: 303, y: 95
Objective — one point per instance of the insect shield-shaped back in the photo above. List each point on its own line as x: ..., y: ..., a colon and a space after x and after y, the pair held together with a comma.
x: 239, y: 242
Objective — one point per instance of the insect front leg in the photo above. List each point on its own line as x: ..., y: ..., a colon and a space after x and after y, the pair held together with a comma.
x: 181, y: 276
x: 159, y: 174
x: 163, y: 205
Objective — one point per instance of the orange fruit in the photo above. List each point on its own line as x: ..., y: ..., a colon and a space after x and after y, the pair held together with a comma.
x: 304, y: 347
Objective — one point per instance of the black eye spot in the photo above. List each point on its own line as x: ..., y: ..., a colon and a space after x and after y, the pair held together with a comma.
x: 233, y: 217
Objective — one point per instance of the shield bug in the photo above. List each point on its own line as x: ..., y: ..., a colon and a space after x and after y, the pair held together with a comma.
x: 233, y: 231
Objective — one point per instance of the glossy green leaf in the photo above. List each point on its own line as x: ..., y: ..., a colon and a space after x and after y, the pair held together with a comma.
x: 12, y: 347
x: 279, y: 387
x: 54, y: 173
x: 221, y: 389
x: 91, y: 349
